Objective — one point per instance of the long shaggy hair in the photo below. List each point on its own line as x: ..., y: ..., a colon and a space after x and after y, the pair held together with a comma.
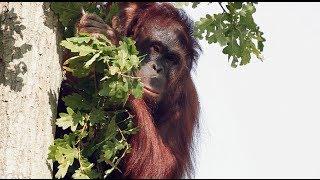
x: 162, y: 147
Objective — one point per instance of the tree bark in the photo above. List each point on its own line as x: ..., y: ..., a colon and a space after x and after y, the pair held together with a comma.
x: 30, y: 78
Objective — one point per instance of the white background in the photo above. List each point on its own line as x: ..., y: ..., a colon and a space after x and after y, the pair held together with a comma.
x: 262, y: 120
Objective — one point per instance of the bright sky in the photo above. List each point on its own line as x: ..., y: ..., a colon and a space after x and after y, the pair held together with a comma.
x: 263, y: 120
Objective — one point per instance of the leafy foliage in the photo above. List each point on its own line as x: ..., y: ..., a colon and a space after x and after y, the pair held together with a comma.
x: 234, y: 29
x: 97, y: 133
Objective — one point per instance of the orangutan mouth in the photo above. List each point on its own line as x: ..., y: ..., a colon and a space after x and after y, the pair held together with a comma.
x: 150, y: 90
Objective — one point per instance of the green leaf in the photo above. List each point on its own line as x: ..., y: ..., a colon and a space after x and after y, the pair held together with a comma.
x: 114, y: 89
x: 76, y: 101
x: 85, y: 171
x: 77, y: 66
x: 238, y: 5
x: 230, y: 28
x: 119, y: 146
x: 108, y: 132
x: 67, y: 11
x: 96, y: 116
x: 245, y: 58
x: 79, y: 175
x: 195, y: 4
x: 93, y: 59
x: 134, y: 61
x: 260, y: 45
x: 83, y: 50
x: 108, y: 151
x: 66, y: 142
x: 65, y: 157
x: 70, y: 120
x: 132, y: 49
x: 122, y: 57
x: 114, y: 70
x: 82, y: 38
x: 137, y: 89
x: 112, y: 128
x: 78, y: 118
x: 234, y: 62
x: 62, y: 170
x: 104, y: 91
x: 66, y: 120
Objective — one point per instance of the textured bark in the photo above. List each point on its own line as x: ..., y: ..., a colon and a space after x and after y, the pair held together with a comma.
x: 30, y: 78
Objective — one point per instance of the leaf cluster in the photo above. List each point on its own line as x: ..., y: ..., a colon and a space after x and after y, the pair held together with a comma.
x: 96, y: 114
x: 234, y: 29
x: 113, y: 65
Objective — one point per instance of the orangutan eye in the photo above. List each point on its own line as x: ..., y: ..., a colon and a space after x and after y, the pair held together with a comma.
x: 155, y: 48
x: 172, y: 59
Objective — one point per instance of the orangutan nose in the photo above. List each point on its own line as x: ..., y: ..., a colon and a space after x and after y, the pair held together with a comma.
x: 158, y: 68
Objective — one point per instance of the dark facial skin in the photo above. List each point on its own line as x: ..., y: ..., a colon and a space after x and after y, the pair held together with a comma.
x: 164, y: 57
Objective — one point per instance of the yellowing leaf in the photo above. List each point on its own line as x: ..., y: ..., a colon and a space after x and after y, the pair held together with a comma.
x: 94, y: 58
x: 113, y: 70
x: 65, y: 157
x: 66, y: 120
x: 79, y: 175
x: 83, y: 50
x: 134, y: 61
x: 62, y: 170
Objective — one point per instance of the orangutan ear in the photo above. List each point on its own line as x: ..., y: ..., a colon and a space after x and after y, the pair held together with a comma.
x: 130, y: 15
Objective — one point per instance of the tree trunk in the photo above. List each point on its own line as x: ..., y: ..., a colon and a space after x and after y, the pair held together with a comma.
x: 30, y: 78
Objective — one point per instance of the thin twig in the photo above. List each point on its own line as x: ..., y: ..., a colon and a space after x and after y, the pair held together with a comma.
x: 125, y: 151
x: 83, y: 128
x: 124, y: 75
x: 130, y: 116
x: 220, y: 3
x: 95, y: 79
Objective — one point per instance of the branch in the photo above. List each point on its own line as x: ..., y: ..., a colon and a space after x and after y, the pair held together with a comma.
x: 220, y: 3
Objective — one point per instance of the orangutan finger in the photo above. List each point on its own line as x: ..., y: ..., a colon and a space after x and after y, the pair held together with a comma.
x: 93, y: 30
x: 94, y: 17
x: 92, y: 23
